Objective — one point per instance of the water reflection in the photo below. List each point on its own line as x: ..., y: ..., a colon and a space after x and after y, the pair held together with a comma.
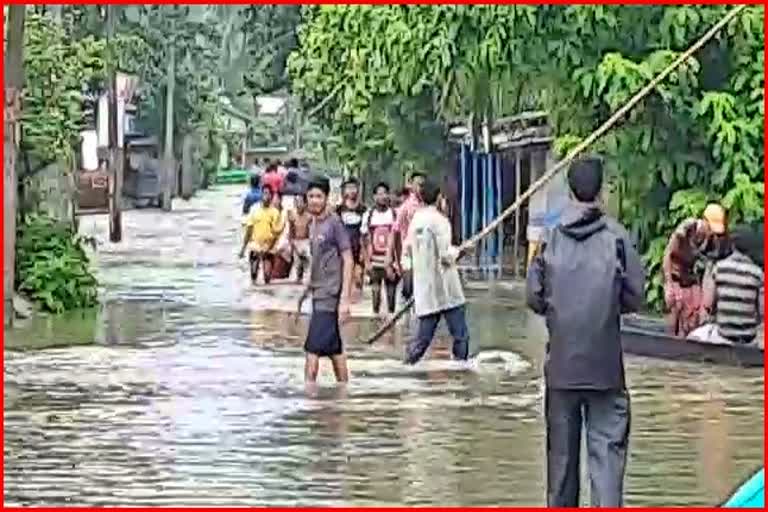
x: 190, y: 392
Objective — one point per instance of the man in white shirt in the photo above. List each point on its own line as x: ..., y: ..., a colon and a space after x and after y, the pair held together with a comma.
x: 437, y: 288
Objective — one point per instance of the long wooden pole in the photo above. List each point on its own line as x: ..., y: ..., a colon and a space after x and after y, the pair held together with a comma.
x: 547, y: 176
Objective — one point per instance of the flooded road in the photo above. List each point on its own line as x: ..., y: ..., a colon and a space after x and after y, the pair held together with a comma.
x: 186, y: 388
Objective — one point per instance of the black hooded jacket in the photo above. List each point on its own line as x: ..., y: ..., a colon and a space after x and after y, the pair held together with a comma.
x: 586, y: 275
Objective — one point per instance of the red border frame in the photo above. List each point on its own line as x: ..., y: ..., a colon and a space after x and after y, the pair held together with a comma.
x: 352, y: 509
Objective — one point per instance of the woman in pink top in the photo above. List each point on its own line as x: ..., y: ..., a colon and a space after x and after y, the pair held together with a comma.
x: 273, y: 179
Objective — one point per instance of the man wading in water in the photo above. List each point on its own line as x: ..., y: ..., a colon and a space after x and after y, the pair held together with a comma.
x: 437, y: 289
x: 263, y: 226
x: 351, y: 211
x: 377, y: 232
x: 586, y: 274
x: 330, y: 280
x: 298, y: 235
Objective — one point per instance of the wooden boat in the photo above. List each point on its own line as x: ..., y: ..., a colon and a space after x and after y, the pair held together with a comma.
x: 647, y: 338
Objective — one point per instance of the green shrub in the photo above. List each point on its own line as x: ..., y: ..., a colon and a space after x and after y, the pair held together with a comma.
x: 52, y: 266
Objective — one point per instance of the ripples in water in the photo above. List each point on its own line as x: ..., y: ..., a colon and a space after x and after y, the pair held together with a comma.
x: 190, y: 392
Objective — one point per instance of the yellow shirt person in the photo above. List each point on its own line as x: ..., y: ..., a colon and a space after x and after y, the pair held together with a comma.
x: 263, y: 225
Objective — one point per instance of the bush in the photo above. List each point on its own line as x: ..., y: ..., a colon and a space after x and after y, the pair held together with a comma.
x: 52, y: 266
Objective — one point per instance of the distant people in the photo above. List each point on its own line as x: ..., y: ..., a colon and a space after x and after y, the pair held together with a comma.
x: 351, y: 211
x: 299, y: 221
x: 295, y: 182
x: 683, y: 274
x: 255, y: 167
x: 734, y: 295
x: 405, y: 213
x: 585, y: 275
x: 399, y: 198
x: 254, y: 194
x: 330, y: 282
x: 378, y: 225
x: 263, y: 227
x: 437, y: 288
x: 272, y: 178
x: 277, y: 200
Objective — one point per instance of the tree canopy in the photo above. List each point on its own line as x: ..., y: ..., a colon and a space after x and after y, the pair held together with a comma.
x: 697, y: 138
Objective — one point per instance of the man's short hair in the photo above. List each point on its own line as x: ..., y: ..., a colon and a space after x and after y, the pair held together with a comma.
x: 351, y: 181
x: 585, y: 178
x: 418, y: 174
x: 430, y: 192
x: 321, y: 184
x: 379, y: 186
x: 746, y: 239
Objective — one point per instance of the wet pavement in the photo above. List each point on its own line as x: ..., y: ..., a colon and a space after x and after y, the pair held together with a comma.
x: 186, y: 388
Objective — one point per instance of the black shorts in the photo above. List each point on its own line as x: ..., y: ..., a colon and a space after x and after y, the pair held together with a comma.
x: 379, y: 274
x: 324, y: 336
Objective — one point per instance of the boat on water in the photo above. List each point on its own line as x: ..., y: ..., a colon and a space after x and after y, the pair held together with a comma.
x: 751, y: 494
x: 643, y: 337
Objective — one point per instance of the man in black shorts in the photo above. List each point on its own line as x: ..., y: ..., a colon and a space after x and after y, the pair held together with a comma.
x: 329, y: 284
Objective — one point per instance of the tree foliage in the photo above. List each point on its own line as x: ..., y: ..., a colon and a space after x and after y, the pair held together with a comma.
x: 52, y: 266
x: 696, y: 138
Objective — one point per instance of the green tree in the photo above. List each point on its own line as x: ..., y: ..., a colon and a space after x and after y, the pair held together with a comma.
x: 698, y: 137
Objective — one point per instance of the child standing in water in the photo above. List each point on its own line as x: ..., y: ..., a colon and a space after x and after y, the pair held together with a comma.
x: 329, y: 284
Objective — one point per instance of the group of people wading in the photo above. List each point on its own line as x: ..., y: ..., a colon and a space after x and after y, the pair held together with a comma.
x: 584, y: 276
x: 342, y: 244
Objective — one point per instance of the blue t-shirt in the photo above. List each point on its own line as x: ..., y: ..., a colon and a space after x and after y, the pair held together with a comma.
x: 253, y: 197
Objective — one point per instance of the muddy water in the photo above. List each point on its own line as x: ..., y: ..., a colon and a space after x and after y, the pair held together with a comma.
x: 186, y: 389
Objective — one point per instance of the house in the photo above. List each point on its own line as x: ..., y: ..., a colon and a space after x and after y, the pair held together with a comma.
x: 236, y: 124
x: 489, y: 182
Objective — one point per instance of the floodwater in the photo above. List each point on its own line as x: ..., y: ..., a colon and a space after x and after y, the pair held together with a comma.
x: 185, y: 388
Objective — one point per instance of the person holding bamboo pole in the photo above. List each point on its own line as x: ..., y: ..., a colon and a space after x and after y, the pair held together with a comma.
x: 437, y: 288
x: 585, y: 275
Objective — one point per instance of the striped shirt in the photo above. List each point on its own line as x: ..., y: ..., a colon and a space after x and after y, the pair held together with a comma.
x: 739, y: 297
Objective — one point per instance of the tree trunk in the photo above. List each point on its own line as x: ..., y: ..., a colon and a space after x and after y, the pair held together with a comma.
x: 188, y: 181
x: 14, y: 81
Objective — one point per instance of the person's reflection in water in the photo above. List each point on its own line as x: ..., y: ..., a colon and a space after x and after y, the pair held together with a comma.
x: 715, y: 451
x: 329, y: 433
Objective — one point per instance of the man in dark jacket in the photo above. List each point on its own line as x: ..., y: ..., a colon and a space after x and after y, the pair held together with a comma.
x: 586, y: 274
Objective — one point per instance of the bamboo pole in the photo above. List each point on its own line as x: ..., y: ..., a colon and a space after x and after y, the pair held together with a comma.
x: 561, y: 165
